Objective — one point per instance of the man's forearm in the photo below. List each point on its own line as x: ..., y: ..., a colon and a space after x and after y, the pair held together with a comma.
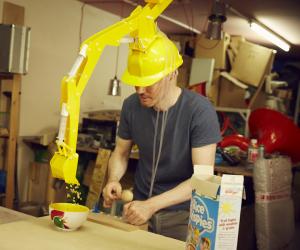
x: 117, y: 166
x: 179, y: 194
x: 201, y: 156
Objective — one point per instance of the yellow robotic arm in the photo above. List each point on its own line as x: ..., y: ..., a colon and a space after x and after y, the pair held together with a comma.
x: 141, y: 26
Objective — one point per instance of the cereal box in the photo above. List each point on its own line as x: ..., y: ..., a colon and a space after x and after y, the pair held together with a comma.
x: 215, y: 212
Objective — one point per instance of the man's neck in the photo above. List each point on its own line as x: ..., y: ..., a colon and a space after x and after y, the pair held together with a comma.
x: 170, y: 99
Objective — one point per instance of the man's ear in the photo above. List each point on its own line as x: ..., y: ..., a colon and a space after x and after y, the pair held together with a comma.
x: 173, y: 75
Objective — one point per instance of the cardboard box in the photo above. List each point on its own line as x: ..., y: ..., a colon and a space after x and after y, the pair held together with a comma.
x: 201, y: 71
x: 230, y: 94
x: 231, y: 57
x: 213, y: 91
x: 206, y: 48
x: 99, y: 177
x: 88, y: 173
x: 252, y: 63
x: 235, y: 42
x: 215, y: 212
x: 184, y: 72
x: 233, y: 49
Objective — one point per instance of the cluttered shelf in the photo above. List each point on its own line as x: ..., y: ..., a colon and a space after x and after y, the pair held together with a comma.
x: 219, y: 169
x: 36, y: 141
x: 6, y: 75
x: 237, y: 170
x: 4, y: 133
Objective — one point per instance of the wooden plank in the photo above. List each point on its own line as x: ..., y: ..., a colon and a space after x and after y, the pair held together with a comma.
x: 259, y: 91
x: 37, y: 183
x: 13, y: 14
x: 50, y: 192
x: 99, y: 177
x: 12, y: 141
x: 115, y: 222
x: 4, y: 100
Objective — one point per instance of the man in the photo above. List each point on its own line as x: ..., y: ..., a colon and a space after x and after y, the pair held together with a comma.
x: 173, y: 128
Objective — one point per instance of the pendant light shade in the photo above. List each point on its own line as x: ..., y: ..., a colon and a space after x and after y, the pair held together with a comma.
x: 114, y: 84
x: 114, y: 87
x: 216, y: 20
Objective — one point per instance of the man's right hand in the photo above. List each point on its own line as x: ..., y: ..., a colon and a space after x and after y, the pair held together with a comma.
x: 111, y: 192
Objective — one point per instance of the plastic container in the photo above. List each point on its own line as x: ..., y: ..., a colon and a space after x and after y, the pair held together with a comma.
x: 261, y: 151
x: 252, y: 151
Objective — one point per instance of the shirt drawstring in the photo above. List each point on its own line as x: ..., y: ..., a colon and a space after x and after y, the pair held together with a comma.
x: 155, y: 158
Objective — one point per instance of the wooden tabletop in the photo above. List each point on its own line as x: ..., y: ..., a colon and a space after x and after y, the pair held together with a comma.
x: 8, y: 215
x: 40, y: 233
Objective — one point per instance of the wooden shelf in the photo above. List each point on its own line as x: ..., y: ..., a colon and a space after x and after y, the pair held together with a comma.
x: 11, y: 133
x: 238, y: 170
x: 6, y: 75
x: 87, y: 149
x: 4, y: 132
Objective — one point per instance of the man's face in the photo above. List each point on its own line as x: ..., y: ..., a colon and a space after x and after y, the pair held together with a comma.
x: 151, y: 95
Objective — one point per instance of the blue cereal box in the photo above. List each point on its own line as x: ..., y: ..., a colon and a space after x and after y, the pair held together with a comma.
x: 214, y: 212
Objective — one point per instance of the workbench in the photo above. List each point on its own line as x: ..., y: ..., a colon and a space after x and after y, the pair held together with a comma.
x: 40, y: 233
x: 8, y: 215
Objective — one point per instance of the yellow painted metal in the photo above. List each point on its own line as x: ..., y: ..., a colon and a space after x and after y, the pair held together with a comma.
x: 67, y: 207
x: 148, y: 67
x: 141, y: 26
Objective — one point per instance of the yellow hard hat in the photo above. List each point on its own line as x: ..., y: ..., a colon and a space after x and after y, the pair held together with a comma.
x: 147, y: 66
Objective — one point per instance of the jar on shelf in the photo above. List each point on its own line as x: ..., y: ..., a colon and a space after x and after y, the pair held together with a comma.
x: 252, y: 151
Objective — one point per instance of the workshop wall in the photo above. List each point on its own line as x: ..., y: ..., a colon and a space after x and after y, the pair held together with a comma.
x: 54, y: 45
x: 55, y: 36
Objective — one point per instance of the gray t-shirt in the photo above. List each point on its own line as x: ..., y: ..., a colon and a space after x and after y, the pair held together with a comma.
x: 192, y: 122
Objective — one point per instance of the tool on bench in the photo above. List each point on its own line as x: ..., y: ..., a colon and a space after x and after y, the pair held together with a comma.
x: 112, y: 219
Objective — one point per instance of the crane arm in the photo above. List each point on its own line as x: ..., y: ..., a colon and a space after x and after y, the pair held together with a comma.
x: 140, y: 25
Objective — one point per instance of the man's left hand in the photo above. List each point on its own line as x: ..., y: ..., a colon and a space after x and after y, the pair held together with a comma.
x: 137, y: 212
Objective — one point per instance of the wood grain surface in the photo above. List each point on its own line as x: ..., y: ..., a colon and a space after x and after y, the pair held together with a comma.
x: 40, y: 233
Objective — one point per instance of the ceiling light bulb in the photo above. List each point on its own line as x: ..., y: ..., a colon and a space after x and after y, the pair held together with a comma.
x: 270, y: 36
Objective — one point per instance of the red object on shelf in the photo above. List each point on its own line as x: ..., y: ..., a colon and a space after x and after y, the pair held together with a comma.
x: 276, y: 132
x: 235, y: 140
x: 198, y: 88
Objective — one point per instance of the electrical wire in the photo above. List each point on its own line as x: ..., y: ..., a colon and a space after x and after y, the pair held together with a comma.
x: 81, y: 24
x: 118, y: 47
